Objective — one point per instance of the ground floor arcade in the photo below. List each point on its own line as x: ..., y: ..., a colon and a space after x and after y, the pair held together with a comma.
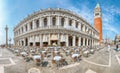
x: 56, y: 40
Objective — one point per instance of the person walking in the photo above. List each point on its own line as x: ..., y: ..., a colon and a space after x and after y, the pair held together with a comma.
x: 109, y: 48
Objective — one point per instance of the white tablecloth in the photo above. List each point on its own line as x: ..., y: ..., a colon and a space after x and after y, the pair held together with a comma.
x: 16, y: 50
x: 67, y: 51
x: 23, y: 53
x: 43, y: 52
x: 86, y: 52
x: 32, y: 50
x: 36, y: 57
x: 57, y: 58
x: 75, y: 55
x: 92, y: 50
x: 56, y: 51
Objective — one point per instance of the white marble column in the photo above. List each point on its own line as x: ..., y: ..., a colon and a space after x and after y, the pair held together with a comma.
x: 79, y: 26
x: 28, y: 41
x: 93, y: 43
x: 83, y: 41
x: 73, y: 42
x: 41, y: 21
x: 20, y: 43
x: 67, y: 40
x: 34, y: 40
x: 49, y: 40
x: 34, y: 24
x: 66, y: 22
x: 58, y: 21
x: 86, y: 42
x: 49, y: 21
x: 41, y: 38
x: 84, y: 28
x: 73, y: 23
x: 28, y: 25
x: 58, y: 39
x: 79, y: 42
x: 24, y: 29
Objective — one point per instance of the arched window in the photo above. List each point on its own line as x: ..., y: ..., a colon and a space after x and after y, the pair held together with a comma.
x: 62, y: 21
x: 45, y: 22
x: 22, y: 29
x: 82, y: 27
x: 70, y: 22
x: 37, y: 23
x: 26, y: 27
x: 54, y: 21
x: 19, y: 31
x: 76, y: 24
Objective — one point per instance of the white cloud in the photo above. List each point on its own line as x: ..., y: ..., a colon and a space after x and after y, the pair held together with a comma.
x: 85, y: 13
x: 113, y: 10
x: 109, y: 21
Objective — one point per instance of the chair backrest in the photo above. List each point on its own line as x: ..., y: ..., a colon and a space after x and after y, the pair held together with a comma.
x: 53, y: 61
x: 38, y: 60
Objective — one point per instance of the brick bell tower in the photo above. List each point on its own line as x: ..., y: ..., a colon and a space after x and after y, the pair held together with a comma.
x: 98, y: 20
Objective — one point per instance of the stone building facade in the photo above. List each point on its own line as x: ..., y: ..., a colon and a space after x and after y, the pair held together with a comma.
x: 55, y: 27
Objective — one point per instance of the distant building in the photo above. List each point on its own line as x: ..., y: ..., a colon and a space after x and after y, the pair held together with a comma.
x: 117, y: 40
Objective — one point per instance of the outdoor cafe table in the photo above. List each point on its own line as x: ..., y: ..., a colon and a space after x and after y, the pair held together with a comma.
x: 75, y: 55
x: 32, y: 50
x: 36, y: 57
x: 56, y: 52
x: 16, y: 51
x: 23, y: 53
x: 86, y: 52
x: 43, y: 52
x: 57, y: 58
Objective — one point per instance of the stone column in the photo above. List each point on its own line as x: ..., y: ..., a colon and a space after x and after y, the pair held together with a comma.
x: 49, y: 20
x: 34, y: 24
x: 41, y: 38
x: 49, y: 40
x: 73, y: 24
x: 79, y: 42
x: 86, y: 42
x: 24, y: 30
x: 67, y: 40
x: 34, y: 40
x: 79, y: 26
x: 83, y: 41
x: 92, y: 42
x: 58, y: 39
x: 41, y: 21
x: 73, y: 42
x: 58, y: 21
x: 66, y: 22
x: 28, y: 25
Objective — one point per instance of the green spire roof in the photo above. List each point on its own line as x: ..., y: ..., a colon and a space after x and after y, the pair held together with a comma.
x: 98, y: 5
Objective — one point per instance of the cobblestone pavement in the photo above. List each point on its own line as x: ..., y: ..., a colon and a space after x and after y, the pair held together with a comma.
x: 101, y: 61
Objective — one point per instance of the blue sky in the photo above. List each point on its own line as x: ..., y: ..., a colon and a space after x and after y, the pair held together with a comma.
x: 13, y: 11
